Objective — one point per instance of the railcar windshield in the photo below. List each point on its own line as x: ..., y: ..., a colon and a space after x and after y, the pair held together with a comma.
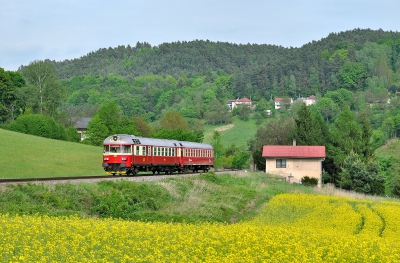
x: 117, y: 149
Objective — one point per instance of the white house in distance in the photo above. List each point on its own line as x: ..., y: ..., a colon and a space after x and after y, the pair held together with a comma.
x: 234, y: 103
x: 294, y: 162
x: 278, y: 102
x: 308, y: 101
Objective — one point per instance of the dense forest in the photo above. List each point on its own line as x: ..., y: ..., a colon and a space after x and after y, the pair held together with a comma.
x: 355, y: 76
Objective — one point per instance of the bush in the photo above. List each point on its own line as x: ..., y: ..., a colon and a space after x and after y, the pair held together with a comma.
x: 309, y: 181
x: 396, y: 188
x: 38, y: 125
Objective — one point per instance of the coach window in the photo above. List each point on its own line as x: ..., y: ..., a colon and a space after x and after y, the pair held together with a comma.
x: 149, y: 151
x: 126, y: 149
x: 143, y: 150
x: 280, y: 163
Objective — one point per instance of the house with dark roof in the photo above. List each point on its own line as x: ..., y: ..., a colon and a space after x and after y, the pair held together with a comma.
x: 294, y: 162
x: 308, y: 101
x: 80, y: 125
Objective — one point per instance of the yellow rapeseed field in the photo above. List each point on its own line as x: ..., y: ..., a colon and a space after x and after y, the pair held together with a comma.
x: 291, y: 228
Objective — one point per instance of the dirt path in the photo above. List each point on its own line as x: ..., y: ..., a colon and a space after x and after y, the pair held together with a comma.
x: 224, y: 128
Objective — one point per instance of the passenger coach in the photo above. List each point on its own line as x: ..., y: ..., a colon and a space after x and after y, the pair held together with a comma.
x: 129, y: 154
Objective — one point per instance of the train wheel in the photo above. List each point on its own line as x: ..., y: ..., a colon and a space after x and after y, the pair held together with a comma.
x: 158, y: 171
x: 154, y: 172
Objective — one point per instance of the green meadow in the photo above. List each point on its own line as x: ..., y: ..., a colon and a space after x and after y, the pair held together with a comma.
x: 238, y: 132
x: 27, y: 156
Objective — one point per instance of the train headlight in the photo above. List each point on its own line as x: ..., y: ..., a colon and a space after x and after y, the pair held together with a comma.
x: 123, y: 159
x: 106, y: 159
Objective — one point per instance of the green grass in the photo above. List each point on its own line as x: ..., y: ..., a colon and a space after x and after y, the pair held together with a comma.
x: 239, y: 134
x: 27, y: 156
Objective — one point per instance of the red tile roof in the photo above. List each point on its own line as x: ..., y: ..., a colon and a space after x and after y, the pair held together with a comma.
x: 272, y: 151
x: 244, y: 99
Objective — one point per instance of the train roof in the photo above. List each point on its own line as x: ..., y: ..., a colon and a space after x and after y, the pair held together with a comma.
x: 132, y: 139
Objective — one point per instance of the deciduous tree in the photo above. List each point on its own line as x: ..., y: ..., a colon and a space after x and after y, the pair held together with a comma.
x: 173, y: 120
x: 44, y: 92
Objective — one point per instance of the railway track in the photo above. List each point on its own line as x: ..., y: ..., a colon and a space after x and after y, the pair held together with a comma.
x: 137, y: 178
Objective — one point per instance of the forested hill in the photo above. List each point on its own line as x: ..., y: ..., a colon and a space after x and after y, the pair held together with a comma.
x: 199, y: 56
x: 258, y: 70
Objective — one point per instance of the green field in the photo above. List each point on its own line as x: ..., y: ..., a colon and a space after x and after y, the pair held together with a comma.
x: 238, y: 132
x: 27, y: 156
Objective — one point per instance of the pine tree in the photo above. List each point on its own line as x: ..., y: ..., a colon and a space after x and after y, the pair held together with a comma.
x: 308, y: 129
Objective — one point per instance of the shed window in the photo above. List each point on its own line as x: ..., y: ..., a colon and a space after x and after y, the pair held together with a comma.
x: 280, y: 163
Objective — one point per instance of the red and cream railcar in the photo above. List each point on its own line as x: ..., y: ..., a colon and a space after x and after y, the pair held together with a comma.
x: 129, y: 154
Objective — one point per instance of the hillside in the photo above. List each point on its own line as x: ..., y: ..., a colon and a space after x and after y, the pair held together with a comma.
x: 391, y: 149
x: 196, y: 57
x: 27, y: 156
x: 237, y: 132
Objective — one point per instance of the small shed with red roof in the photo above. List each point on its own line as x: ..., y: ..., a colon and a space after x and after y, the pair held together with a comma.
x: 294, y: 162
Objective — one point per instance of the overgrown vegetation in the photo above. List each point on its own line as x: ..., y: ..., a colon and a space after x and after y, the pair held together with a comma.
x: 208, y: 197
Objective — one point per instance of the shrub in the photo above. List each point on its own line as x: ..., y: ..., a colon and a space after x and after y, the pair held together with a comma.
x: 309, y: 181
x: 38, y: 125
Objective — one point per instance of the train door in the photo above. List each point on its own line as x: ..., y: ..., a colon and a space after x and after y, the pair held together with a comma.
x: 179, y: 156
x: 149, y: 155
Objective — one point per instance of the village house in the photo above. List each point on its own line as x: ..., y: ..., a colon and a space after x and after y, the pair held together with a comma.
x: 294, y: 162
x: 278, y: 103
x: 234, y: 103
x: 80, y: 125
x: 308, y: 101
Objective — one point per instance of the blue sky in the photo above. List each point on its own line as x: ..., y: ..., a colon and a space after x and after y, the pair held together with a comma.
x: 59, y: 30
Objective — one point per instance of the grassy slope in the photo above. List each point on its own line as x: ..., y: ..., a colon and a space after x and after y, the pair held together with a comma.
x: 239, y: 134
x: 391, y: 148
x: 206, y: 197
x: 24, y: 156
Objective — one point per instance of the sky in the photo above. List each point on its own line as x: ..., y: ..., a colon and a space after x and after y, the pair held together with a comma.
x: 68, y: 29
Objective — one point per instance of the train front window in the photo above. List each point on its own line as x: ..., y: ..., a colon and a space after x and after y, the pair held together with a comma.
x: 115, y: 148
x: 106, y: 149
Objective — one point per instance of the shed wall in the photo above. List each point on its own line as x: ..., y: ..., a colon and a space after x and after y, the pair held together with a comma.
x: 296, y: 169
